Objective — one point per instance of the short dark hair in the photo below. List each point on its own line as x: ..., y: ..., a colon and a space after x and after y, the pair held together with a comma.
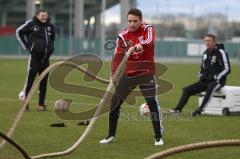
x: 136, y: 12
x: 211, y: 36
x: 40, y: 10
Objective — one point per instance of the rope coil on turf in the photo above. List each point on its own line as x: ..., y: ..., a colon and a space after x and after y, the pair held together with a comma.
x: 114, y: 81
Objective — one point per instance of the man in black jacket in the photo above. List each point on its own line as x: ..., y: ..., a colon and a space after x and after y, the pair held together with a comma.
x: 37, y: 36
x: 215, y: 67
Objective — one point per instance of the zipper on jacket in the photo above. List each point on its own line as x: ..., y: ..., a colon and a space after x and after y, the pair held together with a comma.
x: 46, y: 45
x: 32, y: 46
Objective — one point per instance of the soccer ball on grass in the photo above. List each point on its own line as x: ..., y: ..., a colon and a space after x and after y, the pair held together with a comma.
x: 62, y: 105
x: 144, y: 109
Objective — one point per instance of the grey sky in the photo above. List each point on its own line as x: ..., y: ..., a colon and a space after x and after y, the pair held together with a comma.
x: 231, y: 8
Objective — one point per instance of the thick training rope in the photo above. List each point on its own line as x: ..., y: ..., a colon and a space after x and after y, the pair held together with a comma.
x: 20, y: 112
x: 116, y: 77
x: 18, y: 147
x: 46, y: 71
x: 195, y: 146
x: 114, y: 81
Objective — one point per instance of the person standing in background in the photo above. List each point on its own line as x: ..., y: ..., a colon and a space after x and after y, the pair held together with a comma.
x: 37, y: 36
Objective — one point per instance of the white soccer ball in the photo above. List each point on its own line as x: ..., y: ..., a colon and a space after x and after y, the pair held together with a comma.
x: 21, y: 95
x: 144, y: 109
x: 61, y: 105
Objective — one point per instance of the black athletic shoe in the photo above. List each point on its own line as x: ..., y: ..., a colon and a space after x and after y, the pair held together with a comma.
x: 197, y: 112
x: 57, y: 125
x: 84, y: 122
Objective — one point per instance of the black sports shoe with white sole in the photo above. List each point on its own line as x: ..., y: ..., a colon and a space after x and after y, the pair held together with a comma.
x: 197, y: 112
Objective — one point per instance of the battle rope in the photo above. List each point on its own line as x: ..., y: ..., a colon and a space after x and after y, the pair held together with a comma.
x: 195, y: 146
x: 46, y: 71
x: 114, y: 81
x: 18, y: 147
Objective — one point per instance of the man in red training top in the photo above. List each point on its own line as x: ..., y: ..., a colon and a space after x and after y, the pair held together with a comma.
x: 139, y: 71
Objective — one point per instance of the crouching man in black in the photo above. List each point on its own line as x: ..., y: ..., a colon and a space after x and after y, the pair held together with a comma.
x: 215, y: 67
x: 37, y: 36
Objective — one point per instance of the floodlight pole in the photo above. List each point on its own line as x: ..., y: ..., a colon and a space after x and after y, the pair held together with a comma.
x: 31, y: 8
x: 70, y: 44
x: 103, y: 38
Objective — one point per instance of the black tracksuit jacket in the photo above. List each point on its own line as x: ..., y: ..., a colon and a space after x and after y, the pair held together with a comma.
x: 38, y: 38
x: 215, y: 65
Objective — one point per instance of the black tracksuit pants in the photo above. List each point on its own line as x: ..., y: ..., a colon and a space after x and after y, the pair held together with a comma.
x: 195, y: 88
x: 35, y: 67
x: 147, y: 85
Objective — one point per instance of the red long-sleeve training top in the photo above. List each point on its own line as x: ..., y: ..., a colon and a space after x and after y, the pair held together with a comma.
x: 138, y: 63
